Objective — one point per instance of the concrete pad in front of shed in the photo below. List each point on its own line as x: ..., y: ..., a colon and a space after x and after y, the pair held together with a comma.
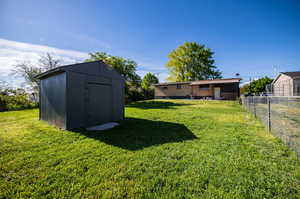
x: 103, y: 127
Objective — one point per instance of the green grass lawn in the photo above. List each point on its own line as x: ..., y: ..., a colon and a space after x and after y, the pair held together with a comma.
x: 163, y: 149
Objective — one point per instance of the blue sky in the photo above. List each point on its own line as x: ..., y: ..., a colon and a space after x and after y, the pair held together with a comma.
x: 248, y: 37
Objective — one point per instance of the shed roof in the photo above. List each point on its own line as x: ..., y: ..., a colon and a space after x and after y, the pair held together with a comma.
x: 200, y: 82
x: 75, y: 67
x: 51, y: 72
x: 292, y: 74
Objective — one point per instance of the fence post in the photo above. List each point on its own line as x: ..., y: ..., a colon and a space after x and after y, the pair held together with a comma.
x: 269, y: 114
x: 248, y: 103
x: 254, y: 106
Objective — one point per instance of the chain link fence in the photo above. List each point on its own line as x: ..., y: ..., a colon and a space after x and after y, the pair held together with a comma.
x: 281, y: 115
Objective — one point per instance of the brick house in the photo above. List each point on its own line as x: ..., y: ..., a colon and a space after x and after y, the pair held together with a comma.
x: 227, y: 89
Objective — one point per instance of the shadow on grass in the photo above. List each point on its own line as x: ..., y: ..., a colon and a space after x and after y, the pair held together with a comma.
x: 154, y: 104
x: 135, y: 134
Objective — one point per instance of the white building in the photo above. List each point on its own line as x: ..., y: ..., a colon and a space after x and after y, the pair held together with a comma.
x: 287, y: 84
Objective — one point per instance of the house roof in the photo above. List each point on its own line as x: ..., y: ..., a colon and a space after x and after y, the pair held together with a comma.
x: 290, y: 74
x: 216, y: 81
x: 170, y: 83
x: 200, y: 82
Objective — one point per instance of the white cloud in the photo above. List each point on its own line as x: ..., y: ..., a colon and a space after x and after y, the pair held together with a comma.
x: 12, y: 51
x: 23, y: 50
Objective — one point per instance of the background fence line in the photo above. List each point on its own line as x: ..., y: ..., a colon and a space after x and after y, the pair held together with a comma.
x: 281, y: 116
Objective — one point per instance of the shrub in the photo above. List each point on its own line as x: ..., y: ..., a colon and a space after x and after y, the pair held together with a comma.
x: 14, y: 101
x: 134, y: 95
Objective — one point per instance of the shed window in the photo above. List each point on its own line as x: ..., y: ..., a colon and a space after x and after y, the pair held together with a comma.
x: 178, y: 86
x: 204, y: 87
x: 165, y: 87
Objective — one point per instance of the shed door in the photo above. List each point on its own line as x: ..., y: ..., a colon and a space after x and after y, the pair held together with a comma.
x: 99, y: 103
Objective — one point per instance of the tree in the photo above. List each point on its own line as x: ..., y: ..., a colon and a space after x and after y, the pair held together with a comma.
x: 148, y: 80
x: 29, y: 70
x: 48, y: 62
x: 192, y: 61
x: 258, y: 86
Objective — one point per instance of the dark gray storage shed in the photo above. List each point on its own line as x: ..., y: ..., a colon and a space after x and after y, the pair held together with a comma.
x: 81, y: 95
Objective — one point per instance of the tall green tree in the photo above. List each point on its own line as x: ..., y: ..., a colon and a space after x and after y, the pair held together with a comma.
x: 258, y: 86
x: 148, y: 80
x: 192, y: 61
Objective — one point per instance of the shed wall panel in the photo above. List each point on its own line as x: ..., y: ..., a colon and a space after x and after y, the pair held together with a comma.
x: 53, y: 104
x: 118, y: 99
x: 92, y: 68
x: 99, y: 104
x: 76, y: 100
x: 96, y: 69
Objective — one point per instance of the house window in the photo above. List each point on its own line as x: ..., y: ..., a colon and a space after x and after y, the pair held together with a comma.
x: 165, y: 87
x: 204, y: 87
x: 230, y: 88
x: 178, y: 86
